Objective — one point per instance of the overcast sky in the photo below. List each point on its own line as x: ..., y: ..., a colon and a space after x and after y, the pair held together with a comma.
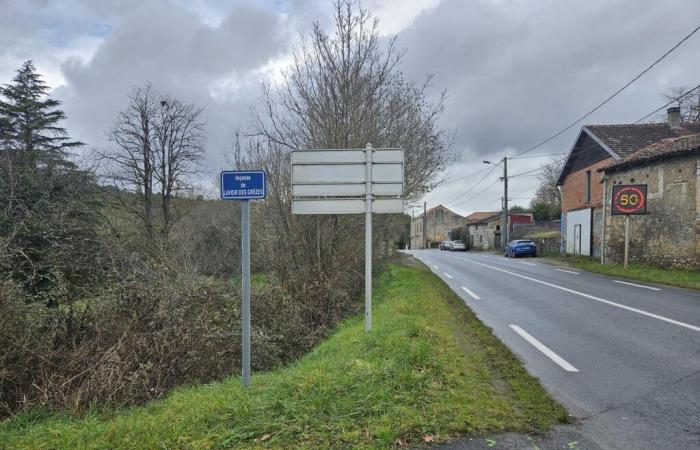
x: 515, y: 71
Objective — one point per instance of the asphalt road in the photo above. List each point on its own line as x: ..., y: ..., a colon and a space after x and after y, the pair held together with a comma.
x: 624, y: 358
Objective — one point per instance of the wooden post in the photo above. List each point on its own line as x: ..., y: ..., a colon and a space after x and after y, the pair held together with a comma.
x: 627, y: 240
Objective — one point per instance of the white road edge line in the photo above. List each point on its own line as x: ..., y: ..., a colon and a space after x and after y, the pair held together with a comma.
x: 568, y: 271
x: 471, y: 294
x: 447, y: 275
x: 564, y: 364
x: 637, y: 285
x: 591, y: 297
x: 436, y: 267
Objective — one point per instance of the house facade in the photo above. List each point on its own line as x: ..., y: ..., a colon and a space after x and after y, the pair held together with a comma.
x: 438, y: 222
x: 669, y: 233
x: 485, y: 230
x: 581, y: 180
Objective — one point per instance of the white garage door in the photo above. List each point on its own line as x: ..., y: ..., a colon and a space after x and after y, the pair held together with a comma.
x: 578, y: 232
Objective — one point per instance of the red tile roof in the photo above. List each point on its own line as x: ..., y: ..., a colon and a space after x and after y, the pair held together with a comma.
x: 521, y: 218
x: 480, y: 215
x: 627, y: 139
x: 666, y: 148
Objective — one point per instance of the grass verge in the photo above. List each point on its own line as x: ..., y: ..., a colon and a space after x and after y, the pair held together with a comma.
x: 429, y: 370
x: 672, y: 277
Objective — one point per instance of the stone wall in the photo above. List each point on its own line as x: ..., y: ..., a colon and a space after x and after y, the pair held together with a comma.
x: 669, y: 234
x: 548, y: 246
x: 483, y: 236
x: 519, y: 230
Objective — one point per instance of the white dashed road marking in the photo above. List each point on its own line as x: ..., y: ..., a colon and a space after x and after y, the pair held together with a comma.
x: 593, y: 297
x: 544, y: 349
x: 447, y: 275
x: 637, y: 285
x: 568, y: 271
x: 470, y: 293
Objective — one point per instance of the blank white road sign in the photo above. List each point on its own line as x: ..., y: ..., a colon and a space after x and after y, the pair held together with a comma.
x: 336, y: 181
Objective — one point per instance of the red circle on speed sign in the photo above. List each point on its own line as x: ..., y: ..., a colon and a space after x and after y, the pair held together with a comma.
x: 629, y: 200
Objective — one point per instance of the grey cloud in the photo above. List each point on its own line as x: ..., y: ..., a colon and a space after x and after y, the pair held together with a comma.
x: 517, y: 71
x: 169, y: 46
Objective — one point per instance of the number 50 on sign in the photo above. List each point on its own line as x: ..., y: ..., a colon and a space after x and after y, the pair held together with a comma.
x: 629, y: 199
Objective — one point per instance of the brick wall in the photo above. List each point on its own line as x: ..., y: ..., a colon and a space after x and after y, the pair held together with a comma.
x: 669, y: 234
x: 573, y: 188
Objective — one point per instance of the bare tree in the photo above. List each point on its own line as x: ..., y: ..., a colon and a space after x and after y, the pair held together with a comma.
x: 546, y: 204
x: 689, y: 105
x: 179, y: 148
x: 342, y: 90
x: 346, y: 89
x: 157, y: 144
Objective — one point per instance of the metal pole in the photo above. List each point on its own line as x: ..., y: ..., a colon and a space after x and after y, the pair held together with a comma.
x: 627, y: 240
x: 413, y: 229
x: 245, y: 287
x: 368, y: 237
x: 504, y: 222
x: 425, y: 225
x: 602, y: 240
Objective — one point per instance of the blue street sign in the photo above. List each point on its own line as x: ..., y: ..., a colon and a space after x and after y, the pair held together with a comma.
x: 243, y: 185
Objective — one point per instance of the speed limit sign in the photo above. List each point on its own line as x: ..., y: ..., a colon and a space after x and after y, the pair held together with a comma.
x: 629, y: 199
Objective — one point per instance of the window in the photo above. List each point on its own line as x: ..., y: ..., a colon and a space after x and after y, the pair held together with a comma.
x: 587, y: 188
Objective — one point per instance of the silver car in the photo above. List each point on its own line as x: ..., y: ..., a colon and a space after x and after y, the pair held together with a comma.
x: 458, y: 246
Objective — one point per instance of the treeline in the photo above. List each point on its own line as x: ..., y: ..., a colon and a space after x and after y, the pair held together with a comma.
x: 118, y: 282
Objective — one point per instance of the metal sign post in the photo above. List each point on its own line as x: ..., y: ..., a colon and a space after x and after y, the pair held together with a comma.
x: 368, y: 238
x: 244, y: 186
x: 349, y: 181
x: 627, y: 200
x: 245, y: 291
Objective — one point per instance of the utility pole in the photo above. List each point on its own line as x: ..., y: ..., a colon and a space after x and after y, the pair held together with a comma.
x: 425, y: 223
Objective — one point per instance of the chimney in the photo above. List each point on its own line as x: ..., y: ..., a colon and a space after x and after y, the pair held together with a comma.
x: 674, y: 117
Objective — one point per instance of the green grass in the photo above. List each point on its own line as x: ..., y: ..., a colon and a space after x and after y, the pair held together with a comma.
x: 428, y: 368
x: 672, y: 277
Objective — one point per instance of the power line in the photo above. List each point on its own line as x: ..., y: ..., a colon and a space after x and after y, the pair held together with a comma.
x: 466, y: 176
x: 478, y: 193
x: 662, y: 107
x: 492, y: 169
x: 520, y: 174
x: 537, y: 156
x: 532, y: 172
x: 638, y: 76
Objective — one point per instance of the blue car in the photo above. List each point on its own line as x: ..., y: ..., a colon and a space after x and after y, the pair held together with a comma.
x: 521, y: 247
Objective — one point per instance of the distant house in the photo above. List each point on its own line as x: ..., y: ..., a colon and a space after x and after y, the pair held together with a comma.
x: 669, y: 233
x: 439, y: 220
x: 581, y: 181
x: 484, y: 228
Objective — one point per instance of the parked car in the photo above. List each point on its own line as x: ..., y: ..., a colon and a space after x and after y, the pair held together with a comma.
x: 446, y: 245
x: 458, y: 246
x: 521, y: 247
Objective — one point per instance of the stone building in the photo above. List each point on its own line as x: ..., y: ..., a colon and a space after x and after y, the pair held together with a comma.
x: 485, y: 230
x: 669, y: 233
x: 439, y: 220
x: 581, y: 179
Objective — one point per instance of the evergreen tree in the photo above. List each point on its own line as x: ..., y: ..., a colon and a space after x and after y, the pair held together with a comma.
x: 47, y: 204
